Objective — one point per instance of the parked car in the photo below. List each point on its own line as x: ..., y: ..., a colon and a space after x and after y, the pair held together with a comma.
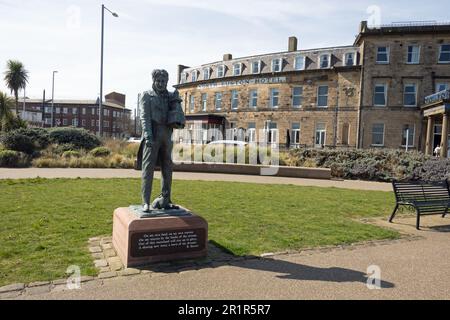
x: 134, y: 140
x: 229, y: 142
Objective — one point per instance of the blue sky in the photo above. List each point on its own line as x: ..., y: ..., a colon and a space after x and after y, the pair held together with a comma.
x: 65, y: 36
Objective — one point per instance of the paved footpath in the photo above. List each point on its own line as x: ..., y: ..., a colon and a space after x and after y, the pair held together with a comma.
x: 126, y: 173
x: 417, y: 268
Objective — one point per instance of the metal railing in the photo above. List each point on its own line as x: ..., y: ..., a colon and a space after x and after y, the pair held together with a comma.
x: 410, y: 24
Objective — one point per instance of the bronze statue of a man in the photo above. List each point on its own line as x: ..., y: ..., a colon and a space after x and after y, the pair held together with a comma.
x: 161, y: 112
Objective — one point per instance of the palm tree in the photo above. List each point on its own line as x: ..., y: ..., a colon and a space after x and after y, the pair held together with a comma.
x: 6, y: 116
x: 16, y: 78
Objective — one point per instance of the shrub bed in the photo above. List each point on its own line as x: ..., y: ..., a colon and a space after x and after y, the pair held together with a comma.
x: 77, y: 138
x: 13, y: 159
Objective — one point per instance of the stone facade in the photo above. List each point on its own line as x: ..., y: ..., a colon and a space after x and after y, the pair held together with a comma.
x: 351, y: 118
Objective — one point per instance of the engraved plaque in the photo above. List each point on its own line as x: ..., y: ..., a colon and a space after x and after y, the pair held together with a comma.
x: 147, y: 244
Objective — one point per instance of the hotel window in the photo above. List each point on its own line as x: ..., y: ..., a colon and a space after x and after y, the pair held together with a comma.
x: 93, y: 111
x: 221, y: 71
x: 48, y: 121
x: 74, y: 111
x: 97, y: 122
x: 325, y: 61
x: 408, y: 131
x: 444, y: 54
x: 192, y: 103
x: 65, y: 110
x: 276, y: 65
x: 234, y: 100
x: 413, y: 55
x: 274, y: 98
x: 57, y: 110
x: 350, y: 59
x: 253, y: 99
x: 272, y: 132
x: 380, y: 95
x: 322, y: 96
x: 204, y: 101
x: 378, y: 134
x: 64, y: 122
x: 300, y: 63
x: 410, y: 95
x: 218, y: 101
x: 206, y: 73
x: 48, y: 110
x: 92, y: 123
x: 251, y: 132
x: 194, y: 76
x: 297, y: 97
x: 105, y: 112
x: 256, y: 67
x: 75, y: 122
x: 83, y: 123
x: 106, y: 124
x: 237, y: 69
x: 295, y: 136
x: 383, y: 55
x: 441, y: 87
x: 84, y: 111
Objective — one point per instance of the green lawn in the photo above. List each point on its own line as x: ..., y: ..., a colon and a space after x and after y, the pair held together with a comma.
x: 45, y: 224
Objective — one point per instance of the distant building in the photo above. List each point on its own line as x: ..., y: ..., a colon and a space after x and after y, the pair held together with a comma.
x: 367, y: 95
x: 81, y: 114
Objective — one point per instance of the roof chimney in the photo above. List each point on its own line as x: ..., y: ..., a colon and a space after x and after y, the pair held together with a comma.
x: 227, y: 57
x: 362, y: 26
x: 292, y: 44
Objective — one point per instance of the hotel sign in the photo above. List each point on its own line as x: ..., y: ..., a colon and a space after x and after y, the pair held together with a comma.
x: 243, y: 82
x: 437, y: 97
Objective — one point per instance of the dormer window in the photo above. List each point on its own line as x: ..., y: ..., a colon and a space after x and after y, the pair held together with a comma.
x: 276, y: 65
x: 221, y: 71
x: 256, y: 67
x: 325, y: 61
x: 183, y: 77
x: 350, y: 59
x: 300, y: 63
x: 237, y: 69
x: 194, y: 75
x: 206, y: 73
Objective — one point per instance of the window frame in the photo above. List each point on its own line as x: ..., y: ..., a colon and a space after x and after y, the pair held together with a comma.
x: 207, y: 71
x: 252, y: 98
x: 300, y: 96
x: 354, y: 58
x: 194, y: 76
x: 303, y: 57
x: 234, y: 98
x: 293, y: 133
x: 204, y: 101
x: 280, y: 60
x: 415, y: 94
x: 385, y: 86
x: 412, y: 53
x: 445, y: 84
x: 192, y: 103
x: 318, y: 95
x: 413, y: 136
x: 384, y: 135
x: 259, y: 67
x: 440, y: 53
x: 216, y: 95
x: 328, y: 55
x: 234, y: 69
x: 220, y: 67
x: 272, y: 90
x: 388, y: 55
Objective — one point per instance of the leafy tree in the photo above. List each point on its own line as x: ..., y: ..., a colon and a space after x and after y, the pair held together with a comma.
x: 16, y: 78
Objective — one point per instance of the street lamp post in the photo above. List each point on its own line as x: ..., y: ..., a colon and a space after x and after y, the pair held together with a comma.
x: 100, y: 103
x: 53, y: 96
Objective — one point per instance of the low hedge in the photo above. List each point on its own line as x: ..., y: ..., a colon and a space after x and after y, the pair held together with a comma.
x: 14, y: 159
x: 78, y: 138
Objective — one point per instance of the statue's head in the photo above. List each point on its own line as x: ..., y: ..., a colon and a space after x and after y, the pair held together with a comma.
x: 160, y: 79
